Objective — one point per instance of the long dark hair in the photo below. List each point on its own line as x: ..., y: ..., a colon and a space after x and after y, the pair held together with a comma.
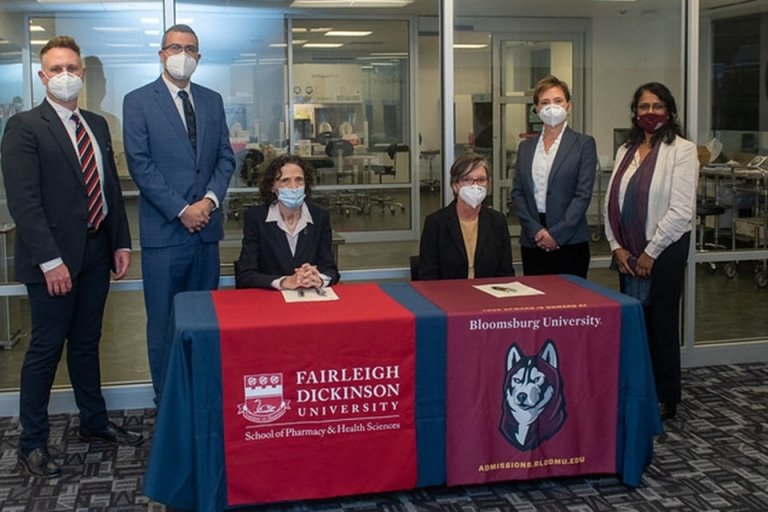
x: 274, y: 170
x: 668, y: 132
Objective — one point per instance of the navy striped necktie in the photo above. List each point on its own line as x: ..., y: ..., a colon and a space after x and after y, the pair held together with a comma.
x: 189, y: 118
x: 90, y: 175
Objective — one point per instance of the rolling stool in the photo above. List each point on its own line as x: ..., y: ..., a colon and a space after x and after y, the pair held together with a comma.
x: 703, y: 210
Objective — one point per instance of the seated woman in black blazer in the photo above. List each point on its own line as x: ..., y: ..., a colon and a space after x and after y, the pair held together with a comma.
x: 286, y: 241
x: 466, y: 239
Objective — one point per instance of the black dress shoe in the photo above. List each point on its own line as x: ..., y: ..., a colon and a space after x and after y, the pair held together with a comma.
x: 668, y: 411
x: 112, y: 434
x: 39, y: 463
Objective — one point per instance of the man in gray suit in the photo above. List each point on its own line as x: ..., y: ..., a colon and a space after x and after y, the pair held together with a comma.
x: 71, y: 229
x: 178, y: 152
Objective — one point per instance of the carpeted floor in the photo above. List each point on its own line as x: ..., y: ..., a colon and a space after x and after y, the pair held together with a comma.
x: 712, y: 457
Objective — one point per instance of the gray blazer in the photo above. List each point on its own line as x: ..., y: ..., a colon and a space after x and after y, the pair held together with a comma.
x: 569, y: 189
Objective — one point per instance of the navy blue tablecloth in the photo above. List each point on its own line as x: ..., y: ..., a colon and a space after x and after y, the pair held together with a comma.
x: 186, y: 466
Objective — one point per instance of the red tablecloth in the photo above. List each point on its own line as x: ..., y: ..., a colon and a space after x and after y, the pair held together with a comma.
x: 318, y: 398
x: 532, y: 381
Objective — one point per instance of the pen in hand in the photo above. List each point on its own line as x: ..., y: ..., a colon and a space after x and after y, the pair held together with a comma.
x: 503, y: 289
x: 321, y: 292
x: 300, y: 292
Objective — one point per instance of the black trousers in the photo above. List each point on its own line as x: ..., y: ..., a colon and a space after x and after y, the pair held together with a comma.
x: 568, y: 259
x: 662, y: 319
x: 76, y: 318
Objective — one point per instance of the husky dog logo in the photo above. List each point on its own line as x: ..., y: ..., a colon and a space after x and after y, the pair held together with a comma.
x: 263, y: 398
x: 533, y: 406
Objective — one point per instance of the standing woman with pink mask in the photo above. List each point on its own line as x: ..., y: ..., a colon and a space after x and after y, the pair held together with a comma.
x: 649, y: 217
x: 554, y: 175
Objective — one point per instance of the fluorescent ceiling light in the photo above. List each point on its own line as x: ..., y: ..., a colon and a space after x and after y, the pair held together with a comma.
x: 349, y: 33
x: 323, y: 45
x: 299, y: 29
x: 150, y: 21
x: 466, y: 46
x: 38, y: 41
x: 36, y: 28
x: 389, y: 54
x: 185, y: 21
x: 152, y: 32
x: 154, y: 45
x: 327, y: 4
x: 283, y: 45
x: 382, y: 64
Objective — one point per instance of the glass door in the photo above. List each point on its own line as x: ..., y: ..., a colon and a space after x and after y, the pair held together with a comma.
x: 521, y: 63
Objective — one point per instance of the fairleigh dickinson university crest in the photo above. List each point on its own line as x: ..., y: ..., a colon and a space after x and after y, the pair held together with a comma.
x: 263, y: 398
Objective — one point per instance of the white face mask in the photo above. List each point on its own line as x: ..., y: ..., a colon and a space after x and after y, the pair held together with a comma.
x: 473, y: 195
x: 552, y: 115
x: 65, y: 86
x: 180, y: 66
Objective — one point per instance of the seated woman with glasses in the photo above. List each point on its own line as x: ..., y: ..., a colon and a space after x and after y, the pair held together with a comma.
x: 466, y: 239
x: 286, y: 240
x: 552, y: 189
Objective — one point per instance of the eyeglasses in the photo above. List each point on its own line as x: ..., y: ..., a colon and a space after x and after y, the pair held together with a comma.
x: 175, y: 49
x: 466, y: 180
x: 647, y: 107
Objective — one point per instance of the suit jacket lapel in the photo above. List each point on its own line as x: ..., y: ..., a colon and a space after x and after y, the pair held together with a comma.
x: 278, y: 242
x: 483, y: 230
x: 454, y: 228
x: 167, y: 106
x: 566, y: 143
x: 527, y: 165
x: 303, y: 243
x: 102, y: 139
x: 60, y: 134
x: 200, y: 114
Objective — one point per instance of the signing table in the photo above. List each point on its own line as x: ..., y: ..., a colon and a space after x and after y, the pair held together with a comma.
x: 400, y: 385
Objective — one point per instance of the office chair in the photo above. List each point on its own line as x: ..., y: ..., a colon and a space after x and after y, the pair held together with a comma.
x: 248, y: 162
x: 345, y: 202
x: 385, y: 201
x: 414, y: 262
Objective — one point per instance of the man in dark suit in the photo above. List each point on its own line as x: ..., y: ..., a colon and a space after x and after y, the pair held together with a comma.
x: 71, y: 229
x: 178, y: 152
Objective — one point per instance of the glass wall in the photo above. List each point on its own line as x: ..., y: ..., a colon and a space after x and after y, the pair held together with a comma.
x: 358, y: 91
x: 731, y: 272
x: 593, y: 46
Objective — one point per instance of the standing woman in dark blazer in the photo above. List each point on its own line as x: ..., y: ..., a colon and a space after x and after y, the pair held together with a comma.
x: 553, y: 187
x: 466, y: 239
x: 287, y: 242
x: 649, y: 218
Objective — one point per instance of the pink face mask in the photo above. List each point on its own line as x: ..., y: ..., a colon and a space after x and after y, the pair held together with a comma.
x: 651, y: 123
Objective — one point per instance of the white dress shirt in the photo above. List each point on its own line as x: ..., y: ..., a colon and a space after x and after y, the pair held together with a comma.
x: 541, y: 167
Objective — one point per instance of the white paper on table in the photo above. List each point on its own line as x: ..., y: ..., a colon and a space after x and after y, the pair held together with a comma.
x: 512, y: 289
x: 309, y: 295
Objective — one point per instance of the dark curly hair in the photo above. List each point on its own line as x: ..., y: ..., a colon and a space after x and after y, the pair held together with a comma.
x: 668, y: 132
x: 274, y: 170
